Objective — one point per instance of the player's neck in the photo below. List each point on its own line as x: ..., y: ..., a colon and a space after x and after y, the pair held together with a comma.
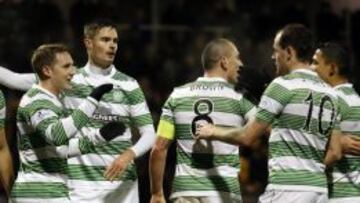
x: 49, y: 86
x: 300, y: 65
x: 215, y: 73
x: 338, y: 80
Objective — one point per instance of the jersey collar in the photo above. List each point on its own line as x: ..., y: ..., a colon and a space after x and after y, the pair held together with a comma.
x: 96, y: 71
x: 211, y: 79
x: 306, y: 71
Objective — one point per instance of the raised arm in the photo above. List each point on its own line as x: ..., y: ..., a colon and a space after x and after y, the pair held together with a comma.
x: 18, y: 81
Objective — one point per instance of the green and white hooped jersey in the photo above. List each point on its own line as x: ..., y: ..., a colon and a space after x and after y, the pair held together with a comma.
x: 204, y: 168
x: 302, y: 110
x: 126, y: 102
x: 2, y: 110
x: 46, y: 138
x: 346, y: 173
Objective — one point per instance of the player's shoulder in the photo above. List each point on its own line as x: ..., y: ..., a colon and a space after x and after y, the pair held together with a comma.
x: 120, y: 76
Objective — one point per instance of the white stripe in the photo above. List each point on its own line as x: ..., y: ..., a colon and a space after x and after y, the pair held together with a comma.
x: 288, y: 135
x: 44, y: 153
x: 303, y: 110
x: 223, y: 171
x: 217, y: 147
x: 295, y: 163
x: 353, y: 176
x: 270, y: 105
x: 167, y: 112
x: 95, y: 185
x: 219, y: 118
x: 40, y: 177
x: 139, y: 109
x: 250, y: 114
x: 226, y: 92
x: 2, y: 113
x: 351, y: 100
x: 345, y: 199
x: 296, y: 188
x: 350, y: 126
x: 301, y: 83
x: 209, y: 194
x: 92, y: 160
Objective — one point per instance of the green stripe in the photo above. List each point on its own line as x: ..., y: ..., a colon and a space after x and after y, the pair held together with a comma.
x: 341, y: 189
x: 58, y: 135
x: 112, y: 148
x: 96, y: 173
x: 39, y: 190
x: 298, y: 177
x: 207, y: 161
x: 142, y: 120
x: 51, y: 165
x: 221, y: 104
x: 79, y: 118
x: 210, y: 183
x: 286, y: 148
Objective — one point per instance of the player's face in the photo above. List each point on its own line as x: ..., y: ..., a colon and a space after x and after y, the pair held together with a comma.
x: 234, y: 65
x: 280, y: 56
x: 102, y: 48
x: 320, y: 65
x: 62, y: 71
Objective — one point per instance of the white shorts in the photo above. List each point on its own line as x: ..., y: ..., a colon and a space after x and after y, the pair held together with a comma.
x: 124, y: 193
x: 204, y: 200
x: 286, y: 196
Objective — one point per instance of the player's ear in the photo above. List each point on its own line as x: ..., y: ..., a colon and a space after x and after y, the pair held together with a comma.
x: 333, y: 69
x: 46, y: 70
x: 224, y: 63
x: 87, y: 42
x: 290, y: 53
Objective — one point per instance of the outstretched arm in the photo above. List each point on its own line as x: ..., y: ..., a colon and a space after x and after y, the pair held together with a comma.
x: 350, y: 144
x: 18, y: 81
x: 244, y: 136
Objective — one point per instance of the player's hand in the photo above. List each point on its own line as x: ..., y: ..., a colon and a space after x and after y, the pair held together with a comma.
x: 157, y: 198
x: 100, y: 90
x: 119, y: 165
x: 205, y: 131
x: 350, y: 144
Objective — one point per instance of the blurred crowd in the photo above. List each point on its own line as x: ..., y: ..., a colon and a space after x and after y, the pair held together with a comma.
x: 160, y: 42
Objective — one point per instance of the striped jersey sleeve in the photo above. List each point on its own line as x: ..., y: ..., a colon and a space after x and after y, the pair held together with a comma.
x: 46, y: 118
x: 2, y: 110
x: 275, y: 97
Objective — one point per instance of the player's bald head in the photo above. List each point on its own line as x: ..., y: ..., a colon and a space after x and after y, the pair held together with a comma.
x: 214, y: 50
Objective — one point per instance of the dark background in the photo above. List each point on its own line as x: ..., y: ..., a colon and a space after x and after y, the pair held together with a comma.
x: 160, y: 43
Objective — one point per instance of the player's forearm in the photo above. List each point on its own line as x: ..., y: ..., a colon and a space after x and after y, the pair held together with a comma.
x: 229, y: 135
x: 157, y: 166
x: 334, y: 150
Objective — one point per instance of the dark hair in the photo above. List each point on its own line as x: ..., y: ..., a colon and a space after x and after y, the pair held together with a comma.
x: 213, y: 51
x: 300, y: 38
x: 92, y: 28
x: 336, y: 53
x: 45, y: 55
